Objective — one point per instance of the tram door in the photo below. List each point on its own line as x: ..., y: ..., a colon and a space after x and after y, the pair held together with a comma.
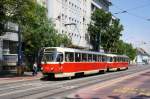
x: 60, y: 60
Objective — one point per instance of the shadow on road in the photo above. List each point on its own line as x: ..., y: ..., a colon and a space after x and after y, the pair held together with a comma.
x: 51, y: 78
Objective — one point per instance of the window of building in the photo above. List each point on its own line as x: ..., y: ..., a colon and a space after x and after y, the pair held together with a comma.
x: 13, y: 47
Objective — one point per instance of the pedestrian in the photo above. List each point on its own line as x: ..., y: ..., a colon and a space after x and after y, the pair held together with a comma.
x: 34, y: 69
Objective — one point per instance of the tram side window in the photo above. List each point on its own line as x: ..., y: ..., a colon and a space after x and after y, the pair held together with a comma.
x: 90, y: 58
x: 108, y: 59
x: 111, y: 59
x: 84, y: 57
x: 69, y: 57
x: 99, y: 58
x: 95, y: 58
x: 103, y: 58
x: 117, y: 59
x: 77, y: 57
x: 124, y: 59
x: 120, y: 59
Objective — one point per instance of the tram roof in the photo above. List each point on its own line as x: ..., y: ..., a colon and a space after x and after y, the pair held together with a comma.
x: 64, y: 49
x: 115, y: 55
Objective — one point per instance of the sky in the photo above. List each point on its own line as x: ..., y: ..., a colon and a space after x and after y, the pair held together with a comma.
x: 134, y: 15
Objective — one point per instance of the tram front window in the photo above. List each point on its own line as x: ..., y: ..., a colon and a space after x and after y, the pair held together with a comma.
x: 59, y: 57
x: 48, y: 57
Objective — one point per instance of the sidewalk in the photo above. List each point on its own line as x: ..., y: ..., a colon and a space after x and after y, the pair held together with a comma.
x: 136, y: 86
x: 11, y: 76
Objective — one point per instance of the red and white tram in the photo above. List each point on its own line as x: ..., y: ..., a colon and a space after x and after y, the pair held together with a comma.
x: 67, y: 62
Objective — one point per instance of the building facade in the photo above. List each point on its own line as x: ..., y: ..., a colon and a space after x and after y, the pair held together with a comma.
x: 71, y: 17
x: 142, y: 56
x: 8, y: 46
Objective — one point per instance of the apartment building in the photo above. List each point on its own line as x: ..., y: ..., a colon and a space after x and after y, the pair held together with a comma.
x: 71, y: 17
x: 8, y: 46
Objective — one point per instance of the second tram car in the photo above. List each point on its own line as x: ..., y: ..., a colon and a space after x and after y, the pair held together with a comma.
x: 67, y: 62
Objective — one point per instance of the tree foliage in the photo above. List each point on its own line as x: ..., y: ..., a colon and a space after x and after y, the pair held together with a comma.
x: 106, y: 32
x: 36, y: 29
x: 112, y: 36
x: 99, y: 23
x: 41, y: 33
x: 126, y: 49
x: 2, y: 17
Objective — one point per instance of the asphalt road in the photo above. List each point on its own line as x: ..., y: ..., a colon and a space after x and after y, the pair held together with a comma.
x: 60, y: 88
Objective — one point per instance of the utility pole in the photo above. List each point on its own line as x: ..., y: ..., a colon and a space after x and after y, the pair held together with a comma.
x: 20, y: 70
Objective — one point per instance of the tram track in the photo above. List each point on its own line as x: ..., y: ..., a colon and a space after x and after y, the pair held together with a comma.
x: 77, y: 83
x: 83, y: 85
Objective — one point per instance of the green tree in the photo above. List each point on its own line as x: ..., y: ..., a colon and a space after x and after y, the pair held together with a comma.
x: 126, y: 49
x: 18, y: 11
x: 36, y: 29
x: 41, y: 33
x: 130, y: 51
x: 2, y: 16
x: 100, y: 21
x: 112, y: 36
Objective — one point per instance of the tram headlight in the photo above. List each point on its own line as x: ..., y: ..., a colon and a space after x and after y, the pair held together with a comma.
x: 52, y: 69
